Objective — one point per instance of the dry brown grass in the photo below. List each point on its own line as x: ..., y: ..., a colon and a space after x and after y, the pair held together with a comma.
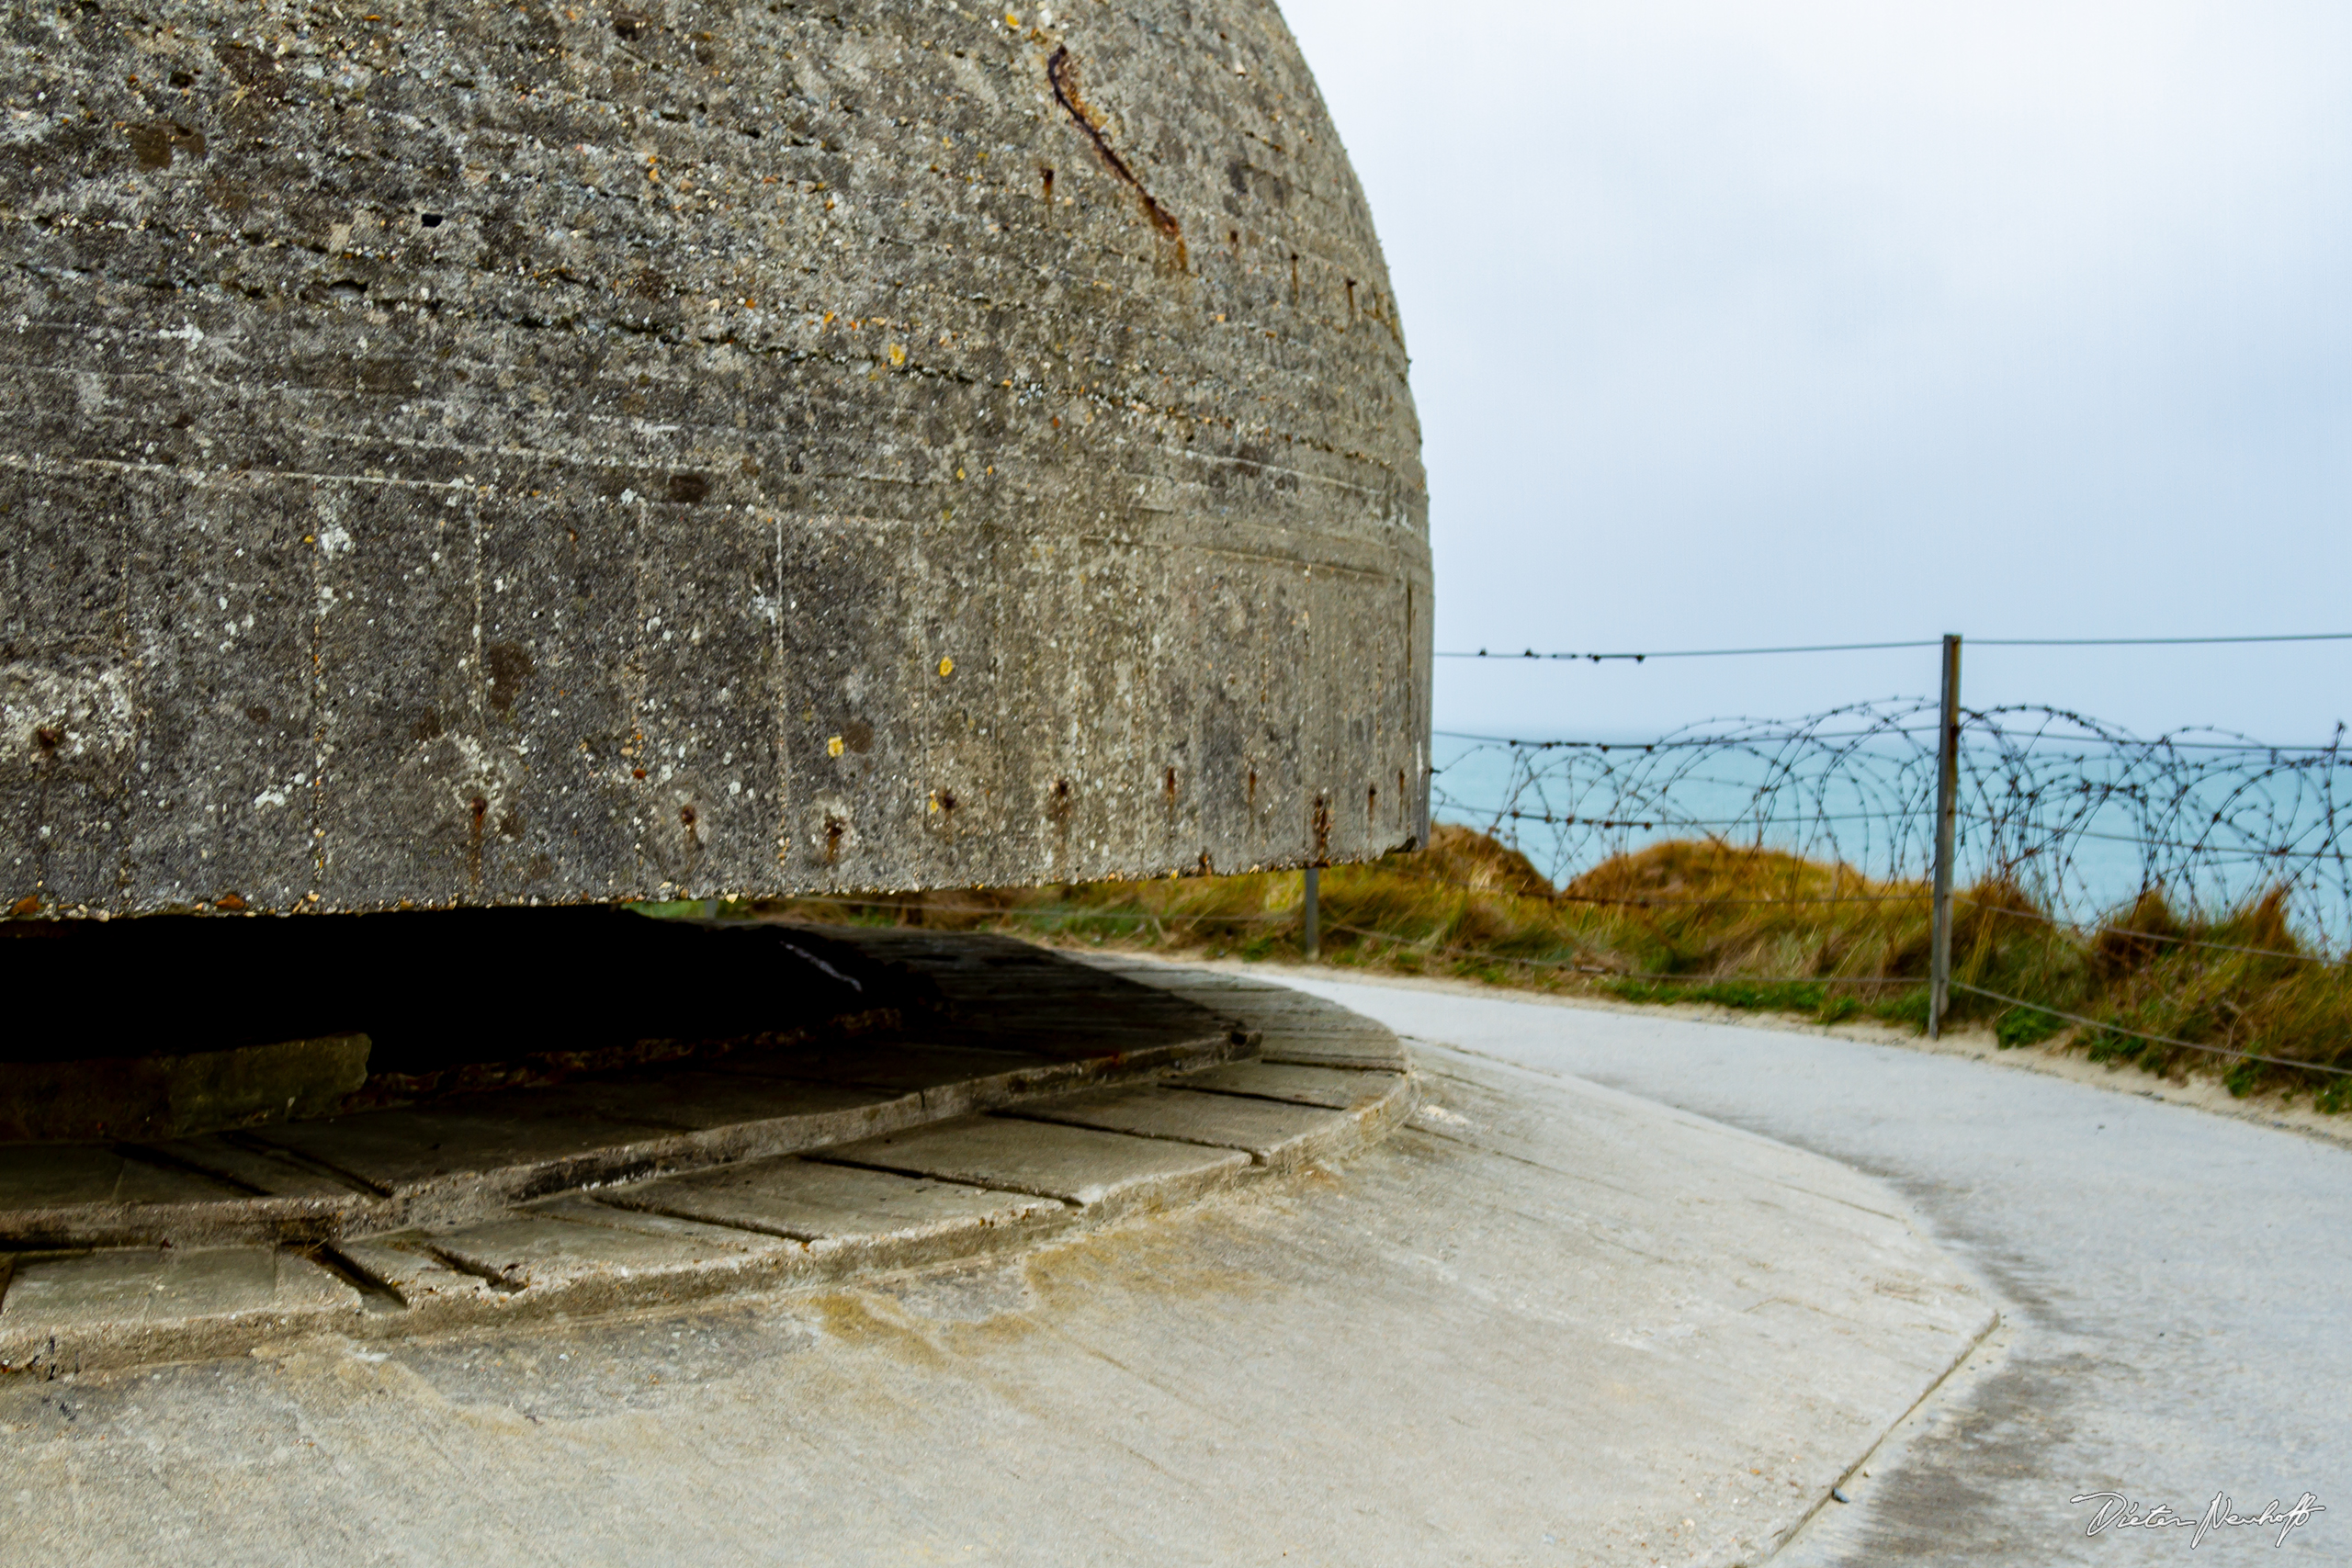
x: 1696, y: 920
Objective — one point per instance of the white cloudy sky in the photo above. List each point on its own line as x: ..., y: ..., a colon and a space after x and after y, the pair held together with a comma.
x: 1814, y: 321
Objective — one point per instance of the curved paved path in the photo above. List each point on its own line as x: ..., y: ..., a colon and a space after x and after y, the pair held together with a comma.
x: 1543, y: 1323
x: 2173, y: 1282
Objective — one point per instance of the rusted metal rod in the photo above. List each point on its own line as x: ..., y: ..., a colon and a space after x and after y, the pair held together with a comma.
x: 1310, y: 941
x: 1946, y: 812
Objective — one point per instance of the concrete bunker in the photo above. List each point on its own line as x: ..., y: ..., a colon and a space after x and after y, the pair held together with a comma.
x: 464, y: 460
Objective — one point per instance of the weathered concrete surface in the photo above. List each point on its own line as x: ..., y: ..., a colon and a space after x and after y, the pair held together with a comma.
x: 168, y: 1097
x: 1546, y: 1323
x: 145, y: 1304
x: 637, y: 1191
x: 1267, y: 1132
x: 1078, y: 1165
x: 808, y: 1201
x: 555, y: 1250
x: 1337, y: 1088
x: 487, y: 454
x: 985, y: 1023
x: 40, y: 1177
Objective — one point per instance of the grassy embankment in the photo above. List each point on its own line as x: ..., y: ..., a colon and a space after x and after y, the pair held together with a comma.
x: 1695, y: 921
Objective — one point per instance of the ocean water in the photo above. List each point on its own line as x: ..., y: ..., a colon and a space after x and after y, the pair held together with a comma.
x: 2084, y: 817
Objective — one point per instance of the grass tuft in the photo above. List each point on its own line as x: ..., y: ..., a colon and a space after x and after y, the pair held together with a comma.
x: 1753, y: 929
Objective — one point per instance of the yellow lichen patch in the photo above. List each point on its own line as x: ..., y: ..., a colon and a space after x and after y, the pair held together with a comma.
x: 833, y: 746
x: 898, y: 353
x: 946, y: 668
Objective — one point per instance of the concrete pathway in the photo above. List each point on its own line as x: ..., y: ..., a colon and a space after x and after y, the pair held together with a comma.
x: 2174, y: 1284
x: 1543, y: 1322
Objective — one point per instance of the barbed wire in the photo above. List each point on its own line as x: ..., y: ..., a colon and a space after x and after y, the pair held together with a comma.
x: 1651, y: 745
x: 1518, y: 816
x: 916, y: 902
x: 1911, y: 642
x: 2179, y: 744
x: 2080, y: 815
x: 1700, y: 652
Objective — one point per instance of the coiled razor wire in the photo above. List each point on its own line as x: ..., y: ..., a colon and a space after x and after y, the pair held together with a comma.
x: 2082, y: 816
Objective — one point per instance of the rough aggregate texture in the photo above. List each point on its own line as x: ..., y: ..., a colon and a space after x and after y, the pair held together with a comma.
x: 467, y: 454
x: 1554, y: 1325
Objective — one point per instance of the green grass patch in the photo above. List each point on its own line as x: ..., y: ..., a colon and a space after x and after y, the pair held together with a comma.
x: 1907, y: 1008
x: 1799, y: 996
x: 2025, y: 1026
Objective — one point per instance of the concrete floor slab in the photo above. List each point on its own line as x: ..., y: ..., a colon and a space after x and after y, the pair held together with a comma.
x: 1292, y: 1027
x: 1006, y: 1023
x: 244, y: 1167
x: 172, y: 1282
x: 1074, y: 1035
x: 698, y: 1102
x: 1335, y: 1089
x: 901, y: 1069
x: 546, y: 1251
x: 1077, y: 1164
x: 47, y: 1176
x: 1265, y: 1130
x: 58, y: 1303
x: 810, y: 1201
x: 391, y: 1149
x: 1332, y: 1048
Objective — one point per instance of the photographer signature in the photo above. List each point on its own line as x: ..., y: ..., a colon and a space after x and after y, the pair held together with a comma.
x: 2118, y: 1512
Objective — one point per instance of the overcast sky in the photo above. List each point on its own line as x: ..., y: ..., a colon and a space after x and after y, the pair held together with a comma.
x: 1808, y: 321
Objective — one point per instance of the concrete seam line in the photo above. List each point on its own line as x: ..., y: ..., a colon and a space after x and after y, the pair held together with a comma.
x: 1994, y: 1318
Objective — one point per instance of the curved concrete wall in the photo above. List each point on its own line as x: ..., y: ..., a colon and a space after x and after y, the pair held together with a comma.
x: 491, y: 454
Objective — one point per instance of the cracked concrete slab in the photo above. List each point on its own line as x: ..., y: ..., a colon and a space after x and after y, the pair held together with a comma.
x: 812, y: 1200
x: 1335, y: 1089
x: 1267, y: 1132
x: 555, y: 1250
x: 45, y: 1176
x: 1078, y: 1165
x: 130, y: 1294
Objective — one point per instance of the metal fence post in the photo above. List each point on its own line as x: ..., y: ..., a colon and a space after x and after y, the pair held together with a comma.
x: 1311, y: 940
x: 1946, y: 814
